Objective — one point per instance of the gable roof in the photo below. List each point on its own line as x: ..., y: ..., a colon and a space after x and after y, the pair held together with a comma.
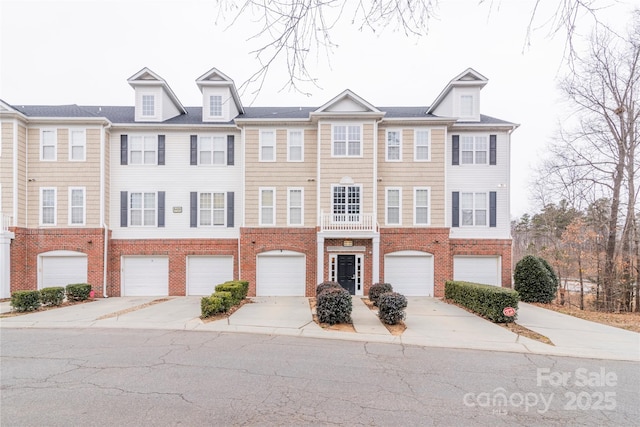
x: 347, y: 102
x: 146, y: 77
x: 215, y: 77
x: 468, y: 77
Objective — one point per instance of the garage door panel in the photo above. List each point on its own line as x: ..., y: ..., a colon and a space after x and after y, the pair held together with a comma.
x: 484, y: 270
x: 205, y: 272
x: 410, y: 274
x: 281, y: 275
x: 145, y: 276
x: 63, y: 270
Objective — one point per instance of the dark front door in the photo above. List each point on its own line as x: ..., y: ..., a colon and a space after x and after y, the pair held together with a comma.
x: 347, y: 272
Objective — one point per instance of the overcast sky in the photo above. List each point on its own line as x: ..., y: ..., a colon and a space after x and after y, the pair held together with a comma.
x: 82, y: 52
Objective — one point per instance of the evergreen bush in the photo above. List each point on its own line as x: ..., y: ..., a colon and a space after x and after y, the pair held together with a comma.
x: 391, y: 307
x: 52, y: 296
x: 378, y: 289
x: 78, y: 291
x: 486, y: 300
x: 25, y: 300
x: 534, y: 281
x: 333, y: 306
x: 327, y: 285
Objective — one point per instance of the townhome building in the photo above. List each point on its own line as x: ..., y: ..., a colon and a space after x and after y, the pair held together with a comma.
x: 161, y: 199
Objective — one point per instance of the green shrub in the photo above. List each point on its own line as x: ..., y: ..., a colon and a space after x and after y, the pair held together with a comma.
x: 245, y: 287
x: 327, y: 285
x: 551, y: 271
x: 52, y: 296
x: 333, y: 306
x: 377, y: 289
x: 227, y: 299
x: 236, y: 290
x: 25, y: 300
x: 211, y: 305
x: 534, y: 281
x: 391, y: 307
x: 78, y: 291
x: 485, y: 300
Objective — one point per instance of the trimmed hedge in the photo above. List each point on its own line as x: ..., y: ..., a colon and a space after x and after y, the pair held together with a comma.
x: 333, y: 306
x: 25, y: 300
x: 378, y: 289
x: 78, y: 291
x: 485, y: 300
x: 391, y: 307
x: 327, y: 285
x: 212, y: 305
x: 227, y: 295
x: 52, y: 296
x: 235, y: 289
x: 535, y: 280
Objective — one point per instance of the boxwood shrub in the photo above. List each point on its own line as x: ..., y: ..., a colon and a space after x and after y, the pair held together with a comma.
x: 333, y: 306
x: 25, y: 300
x: 535, y: 280
x: 485, y: 300
x: 78, y: 291
x: 327, y: 285
x: 391, y: 307
x: 212, y: 305
x: 377, y: 289
x: 52, y: 296
x: 236, y: 290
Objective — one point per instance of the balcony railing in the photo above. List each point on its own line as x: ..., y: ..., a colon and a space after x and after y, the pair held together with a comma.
x: 347, y: 222
x: 6, y: 222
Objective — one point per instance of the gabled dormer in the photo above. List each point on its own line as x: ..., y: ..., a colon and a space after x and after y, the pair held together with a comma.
x: 348, y: 104
x: 155, y: 101
x: 461, y: 97
x: 220, y: 100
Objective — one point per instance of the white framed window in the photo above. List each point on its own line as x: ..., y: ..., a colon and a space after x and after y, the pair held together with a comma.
x: 346, y: 203
x: 267, y: 206
x: 422, y: 145
x: 48, y: 145
x: 143, y: 150
x: 77, y: 145
x: 474, y: 209
x: 295, y: 210
x: 421, y: 198
x: 347, y: 141
x: 474, y: 150
x: 393, y: 211
x: 268, y: 146
x: 295, y: 146
x: 466, y: 105
x: 77, y: 206
x: 142, y: 209
x: 148, y: 105
x: 212, y: 150
x: 48, y: 206
x: 394, y: 145
x: 215, y: 106
x: 211, y: 209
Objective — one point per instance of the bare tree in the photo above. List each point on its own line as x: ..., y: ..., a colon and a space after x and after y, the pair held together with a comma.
x: 294, y: 31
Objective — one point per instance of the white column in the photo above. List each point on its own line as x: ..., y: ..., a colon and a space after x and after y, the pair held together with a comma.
x: 320, y: 258
x: 5, y: 263
x: 375, y: 260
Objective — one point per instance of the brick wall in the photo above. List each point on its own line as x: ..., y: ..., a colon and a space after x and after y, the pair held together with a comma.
x: 254, y: 241
x: 29, y: 243
x: 497, y: 247
x: 176, y: 250
x: 368, y: 259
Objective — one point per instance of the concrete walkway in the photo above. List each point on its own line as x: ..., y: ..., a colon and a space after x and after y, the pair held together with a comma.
x: 430, y: 322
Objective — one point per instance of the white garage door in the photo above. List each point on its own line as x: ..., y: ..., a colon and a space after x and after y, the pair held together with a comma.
x: 485, y: 270
x: 281, y: 273
x: 205, y: 272
x: 61, y: 268
x: 145, y: 276
x: 409, y: 272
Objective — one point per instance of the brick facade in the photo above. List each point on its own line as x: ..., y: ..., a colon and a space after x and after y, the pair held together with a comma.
x: 486, y: 247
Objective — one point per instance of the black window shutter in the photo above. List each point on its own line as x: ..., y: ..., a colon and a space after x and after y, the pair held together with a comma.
x: 492, y: 208
x: 161, y: 149
x: 455, y: 154
x: 230, y: 150
x: 492, y: 150
x: 124, y: 150
x: 124, y: 209
x: 230, y: 209
x: 194, y: 149
x: 160, y: 208
x: 193, y: 211
x: 455, y: 209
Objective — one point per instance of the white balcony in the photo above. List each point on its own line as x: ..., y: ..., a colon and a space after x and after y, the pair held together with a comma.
x: 7, y: 221
x: 348, y: 222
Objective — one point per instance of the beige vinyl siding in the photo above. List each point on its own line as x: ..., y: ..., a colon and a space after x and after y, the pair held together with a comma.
x: 334, y: 169
x: 6, y: 168
x: 107, y: 177
x: 280, y: 175
x: 63, y: 174
x: 22, y: 176
x: 409, y: 174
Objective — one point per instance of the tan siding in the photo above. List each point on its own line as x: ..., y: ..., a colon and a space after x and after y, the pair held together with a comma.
x: 280, y: 175
x: 107, y: 177
x: 63, y: 174
x: 334, y: 169
x: 409, y: 174
x: 6, y: 168
x: 22, y: 176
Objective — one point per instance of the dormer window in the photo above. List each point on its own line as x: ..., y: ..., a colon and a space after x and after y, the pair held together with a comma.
x: 466, y: 105
x: 215, y: 106
x: 148, y: 105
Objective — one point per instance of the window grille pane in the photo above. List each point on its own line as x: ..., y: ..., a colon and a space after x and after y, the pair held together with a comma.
x: 422, y: 215
x: 149, y: 217
x: 136, y: 200
x: 149, y: 200
x: 393, y: 215
x: 136, y: 217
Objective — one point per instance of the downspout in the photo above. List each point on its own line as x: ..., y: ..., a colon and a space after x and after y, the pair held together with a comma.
x: 243, y: 197
x: 105, y: 251
x: 106, y: 259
